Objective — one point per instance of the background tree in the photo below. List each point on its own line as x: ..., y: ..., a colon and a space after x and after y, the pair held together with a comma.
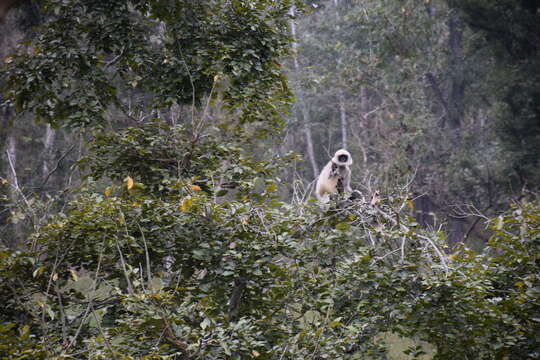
x: 509, y: 31
x: 412, y: 89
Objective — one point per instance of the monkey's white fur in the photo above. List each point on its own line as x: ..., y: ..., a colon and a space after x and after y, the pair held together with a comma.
x: 337, y: 169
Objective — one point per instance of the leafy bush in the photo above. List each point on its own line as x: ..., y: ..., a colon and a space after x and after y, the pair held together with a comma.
x: 188, y: 252
x: 135, y: 272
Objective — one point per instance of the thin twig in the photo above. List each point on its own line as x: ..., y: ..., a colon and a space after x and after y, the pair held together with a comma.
x: 107, y: 343
x: 199, y: 126
x: 124, y: 268
x: 116, y: 57
x: 16, y: 185
x: 406, y: 229
x: 403, y: 248
x: 192, y: 86
x: 88, y: 307
x: 56, y: 167
x: 74, y: 338
x: 147, y: 255
x: 62, y: 315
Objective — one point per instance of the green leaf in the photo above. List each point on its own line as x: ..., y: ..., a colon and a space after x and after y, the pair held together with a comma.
x: 343, y: 226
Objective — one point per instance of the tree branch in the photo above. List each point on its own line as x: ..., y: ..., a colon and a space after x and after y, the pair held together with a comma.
x: 438, y: 93
x: 234, y: 301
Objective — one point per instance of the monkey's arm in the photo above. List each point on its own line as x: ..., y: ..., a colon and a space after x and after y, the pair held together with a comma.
x: 323, y: 180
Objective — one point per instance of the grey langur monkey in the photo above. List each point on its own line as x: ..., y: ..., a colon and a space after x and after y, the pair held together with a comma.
x: 335, y: 176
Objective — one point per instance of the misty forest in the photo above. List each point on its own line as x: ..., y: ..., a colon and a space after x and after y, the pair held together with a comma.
x: 159, y: 173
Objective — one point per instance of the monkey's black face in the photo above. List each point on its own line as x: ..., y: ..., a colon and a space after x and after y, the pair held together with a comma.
x: 342, y: 158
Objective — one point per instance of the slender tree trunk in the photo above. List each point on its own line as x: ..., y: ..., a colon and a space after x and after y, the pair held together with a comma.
x: 456, y: 231
x: 362, y: 123
x: 302, y: 104
x: 456, y: 109
x: 424, y: 209
x: 309, y: 140
x: 343, y: 117
x: 364, y: 99
x: 429, y: 8
x: 457, y: 78
x: 11, y: 165
x: 11, y: 32
x: 48, y: 151
x: 11, y: 159
x: 440, y: 98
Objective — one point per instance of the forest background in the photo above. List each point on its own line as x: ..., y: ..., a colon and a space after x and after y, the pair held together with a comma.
x: 154, y: 204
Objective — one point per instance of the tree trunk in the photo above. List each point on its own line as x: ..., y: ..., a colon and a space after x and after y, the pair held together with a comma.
x: 309, y: 140
x: 302, y: 104
x: 48, y: 152
x: 11, y: 32
x: 364, y: 100
x: 456, y: 231
x: 424, y: 210
x: 11, y: 165
x: 457, y: 78
x: 440, y: 98
x: 343, y: 117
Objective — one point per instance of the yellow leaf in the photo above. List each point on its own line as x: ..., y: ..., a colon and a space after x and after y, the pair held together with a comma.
x: 55, y: 277
x: 129, y: 182
x: 255, y: 353
x: 108, y: 191
x: 195, y: 188
x: 335, y: 324
x: 343, y: 226
x: 217, y: 77
x: 270, y: 188
x: 74, y: 274
x: 38, y: 271
x: 410, y: 205
x: 3, y: 181
x: 186, y: 204
x: 25, y: 332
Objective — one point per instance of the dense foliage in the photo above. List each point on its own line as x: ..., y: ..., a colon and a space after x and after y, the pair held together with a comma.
x: 176, y: 244
x: 90, y: 55
x: 166, y: 270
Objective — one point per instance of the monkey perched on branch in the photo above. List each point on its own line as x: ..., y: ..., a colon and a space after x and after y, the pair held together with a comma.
x: 335, y: 176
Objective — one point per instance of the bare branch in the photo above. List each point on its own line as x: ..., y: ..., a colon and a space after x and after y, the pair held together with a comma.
x: 55, y: 167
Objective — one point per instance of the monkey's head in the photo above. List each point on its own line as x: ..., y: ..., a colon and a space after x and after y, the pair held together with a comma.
x: 342, y: 158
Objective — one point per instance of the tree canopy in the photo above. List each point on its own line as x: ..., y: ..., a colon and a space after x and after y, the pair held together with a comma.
x: 175, y: 235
